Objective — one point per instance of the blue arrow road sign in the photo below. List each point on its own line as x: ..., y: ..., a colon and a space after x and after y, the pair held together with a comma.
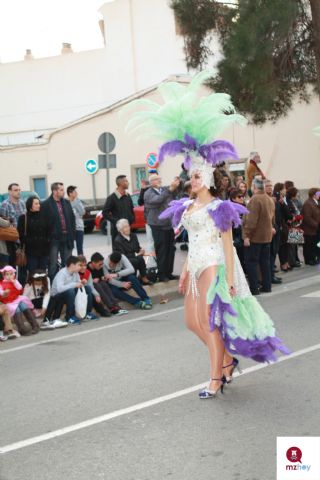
x: 91, y: 166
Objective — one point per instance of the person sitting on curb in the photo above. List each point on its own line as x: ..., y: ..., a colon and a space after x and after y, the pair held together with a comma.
x: 102, y: 286
x: 120, y: 274
x: 127, y: 243
x: 19, y: 305
x: 94, y: 299
x: 64, y: 289
x: 8, y: 332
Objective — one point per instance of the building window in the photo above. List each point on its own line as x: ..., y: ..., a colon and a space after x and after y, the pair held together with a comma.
x: 39, y: 185
x: 139, y: 172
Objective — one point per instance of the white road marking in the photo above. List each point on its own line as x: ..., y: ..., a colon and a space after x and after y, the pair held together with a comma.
x: 139, y: 406
x: 93, y: 330
x: 312, y: 295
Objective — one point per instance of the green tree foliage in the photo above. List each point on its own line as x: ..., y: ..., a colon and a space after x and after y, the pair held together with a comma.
x: 269, y: 51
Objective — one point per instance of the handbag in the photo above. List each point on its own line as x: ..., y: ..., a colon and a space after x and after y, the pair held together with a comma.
x: 9, y: 234
x: 81, y: 302
x: 152, y: 271
x: 21, y: 257
x: 295, y: 236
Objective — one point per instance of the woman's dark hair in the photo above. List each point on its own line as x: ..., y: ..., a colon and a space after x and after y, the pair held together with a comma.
x: 29, y: 202
x: 234, y: 193
x: 278, y: 187
x: 288, y: 184
x: 291, y: 193
x: 39, y: 276
x: 217, y: 177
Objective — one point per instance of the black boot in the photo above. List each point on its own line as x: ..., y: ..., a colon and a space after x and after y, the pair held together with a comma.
x: 32, y: 320
x: 21, y: 327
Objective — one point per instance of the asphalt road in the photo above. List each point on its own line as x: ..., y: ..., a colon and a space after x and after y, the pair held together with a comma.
x: 118, y: 399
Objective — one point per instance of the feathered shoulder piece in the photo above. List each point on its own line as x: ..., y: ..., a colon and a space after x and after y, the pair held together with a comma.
x: 175, y: 210
x: 226, y: 214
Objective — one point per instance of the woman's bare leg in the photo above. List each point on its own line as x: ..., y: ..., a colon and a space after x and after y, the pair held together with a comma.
x: 213, y: 339
x: 191, y: 315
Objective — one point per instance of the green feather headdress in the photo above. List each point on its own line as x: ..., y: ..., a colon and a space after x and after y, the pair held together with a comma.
x: 187, y: 120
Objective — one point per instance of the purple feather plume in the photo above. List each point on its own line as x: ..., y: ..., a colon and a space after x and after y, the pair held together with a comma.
x: 171, y: 148
x: 191, y: 143
x: 175, y: 210
x: 260, y: 350
x: 227, y: 215
x: 218, y: 152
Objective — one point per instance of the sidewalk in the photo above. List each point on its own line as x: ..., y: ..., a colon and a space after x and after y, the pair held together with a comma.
x: 169, y: 290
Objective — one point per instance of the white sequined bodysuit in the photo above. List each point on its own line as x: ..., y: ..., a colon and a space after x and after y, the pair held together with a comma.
x: 206, y: 248
x: 205, y: 243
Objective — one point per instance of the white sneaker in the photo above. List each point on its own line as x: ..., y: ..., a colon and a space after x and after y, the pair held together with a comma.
x: 3, y: 337
x: 58, y: 323
x: 122, y: 312
x: 47, y: 325
x: 13, y: 334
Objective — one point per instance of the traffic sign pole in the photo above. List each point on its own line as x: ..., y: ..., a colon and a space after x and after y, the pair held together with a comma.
x: 106, y: 144
x: 108, y: 185
x: 94, y: 190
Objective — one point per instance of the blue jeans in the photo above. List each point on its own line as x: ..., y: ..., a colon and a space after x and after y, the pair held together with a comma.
x: 136, y: 285
x: 68, y: 298
x: 36, y: 263
x: 22, y: 307
x: 57, y: 247
x: 79, y: 241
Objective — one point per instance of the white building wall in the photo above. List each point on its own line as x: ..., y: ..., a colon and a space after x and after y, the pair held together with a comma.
x: 142, y: 49
x: 288, y: 149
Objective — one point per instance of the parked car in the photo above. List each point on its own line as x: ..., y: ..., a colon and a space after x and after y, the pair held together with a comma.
x: 139, y: 220
x: 24, y: 195
x: 89, y: 218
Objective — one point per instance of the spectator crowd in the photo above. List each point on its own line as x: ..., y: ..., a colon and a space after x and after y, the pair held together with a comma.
x: 41, y: 277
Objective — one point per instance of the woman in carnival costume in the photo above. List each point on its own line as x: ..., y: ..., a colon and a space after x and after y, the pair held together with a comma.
x: 219, y: 307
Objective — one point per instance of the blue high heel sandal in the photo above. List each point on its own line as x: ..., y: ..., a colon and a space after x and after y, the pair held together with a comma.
x: 235, y: 365
x: 206, y: 393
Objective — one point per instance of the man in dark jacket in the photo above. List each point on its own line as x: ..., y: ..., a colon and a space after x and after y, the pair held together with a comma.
x: 118, y: 205
x: 58, y: 214
x: 156, y: 199
x: 310, y: 225
x: 275, y: 243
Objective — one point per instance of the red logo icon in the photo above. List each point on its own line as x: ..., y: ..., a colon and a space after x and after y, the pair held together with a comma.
x: 294, y: 454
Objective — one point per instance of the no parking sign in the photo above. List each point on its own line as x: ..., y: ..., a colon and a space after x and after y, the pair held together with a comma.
x: 152, y: 162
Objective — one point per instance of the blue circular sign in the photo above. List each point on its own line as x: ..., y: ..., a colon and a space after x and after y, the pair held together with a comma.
x: 152, y: 160
x: 91, y: 166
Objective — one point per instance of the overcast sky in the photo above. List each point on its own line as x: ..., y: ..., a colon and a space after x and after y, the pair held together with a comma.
x: 43, y: 25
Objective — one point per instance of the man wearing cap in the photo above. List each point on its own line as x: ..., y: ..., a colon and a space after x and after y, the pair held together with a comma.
x: 79, y: 211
